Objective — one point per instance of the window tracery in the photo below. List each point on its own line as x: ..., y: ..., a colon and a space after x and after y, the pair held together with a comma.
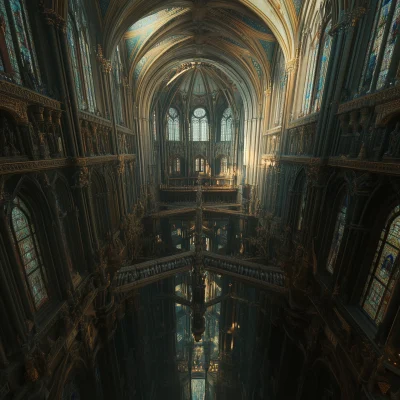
x: 27, y: 247
x: 323, y: 62
x: 200, y: 125
x: 79, y: 48
x: 381, y: 45
x: 337, y: 234
x: 18, y: 58
x: 173, y: 125
x: 384, y: 271
x: 226, y: 126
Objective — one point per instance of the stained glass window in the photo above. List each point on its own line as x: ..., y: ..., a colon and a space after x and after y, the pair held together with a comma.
x: 79, y: 45
x: 19, y: 24
x: 173, y: 125
x: 325, y: 53
x: 28, y: 249
x: 337, y: 234
x: 384, y: 270
x: 199, y: 125
x: 74, y: 61
x: 118, y: 87
x: 389, y: 48
x: 387, y: 12
x: 226, y: 126
x: 308, y: 88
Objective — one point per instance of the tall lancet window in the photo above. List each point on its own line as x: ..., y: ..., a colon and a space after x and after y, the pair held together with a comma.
x: 384, y: 271
x: 226, y: 126
x: 173, y: 125
x: 118, y: 87
x: 337, y: 233
x: 324, y: 56
x: 200, y: 125
x: 21, y: 65
x: 29, y: 253
x: 381, y: 46
x: 309, y: 84
x: 79, y: 50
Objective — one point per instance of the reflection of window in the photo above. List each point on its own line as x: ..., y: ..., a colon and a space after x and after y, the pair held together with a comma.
x: 382, y: 44
x: 175, y: 167
x: 337, y: 234
x: 384, y: 271
x: 200, y: 164
x: 29, y: 252
x: 199, y: 125
x: 173, y: 125
x: 226, y: 126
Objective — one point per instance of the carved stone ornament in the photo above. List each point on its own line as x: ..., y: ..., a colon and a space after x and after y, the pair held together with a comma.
x: 82, y: 177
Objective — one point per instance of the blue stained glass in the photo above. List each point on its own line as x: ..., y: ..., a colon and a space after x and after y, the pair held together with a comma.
x: 87, y: 71
x: 308, y: 87
x: 25, y: 42
x: 389, y: 49
x: 10, y: 44
x: 28, y: 249
x: 384, y: 272
x: 74, y: 62
x: 376, y: 43
x: 323, y: 68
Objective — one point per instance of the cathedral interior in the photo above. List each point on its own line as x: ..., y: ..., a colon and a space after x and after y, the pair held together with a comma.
x: 200, y: 199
